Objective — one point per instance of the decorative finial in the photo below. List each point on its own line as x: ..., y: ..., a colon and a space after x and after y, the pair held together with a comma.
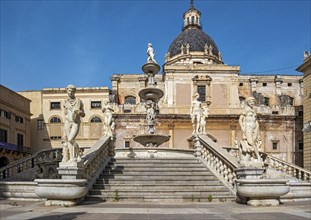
x: 191, y: 4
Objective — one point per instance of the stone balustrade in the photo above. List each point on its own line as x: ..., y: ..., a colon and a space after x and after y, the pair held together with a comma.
x: 286, y: 168
x: 33, y: 162
x: 97, y: 156
x: 218, y: 160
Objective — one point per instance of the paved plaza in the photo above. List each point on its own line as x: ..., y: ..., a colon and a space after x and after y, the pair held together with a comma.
x: 16, y: 210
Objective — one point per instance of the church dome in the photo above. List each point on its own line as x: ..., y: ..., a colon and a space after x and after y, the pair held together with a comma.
x: 196, y: 39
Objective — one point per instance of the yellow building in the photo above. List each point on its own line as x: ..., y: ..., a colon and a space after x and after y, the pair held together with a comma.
x: 14, y: 126
x: 48, y: 116
x: 306, y: 69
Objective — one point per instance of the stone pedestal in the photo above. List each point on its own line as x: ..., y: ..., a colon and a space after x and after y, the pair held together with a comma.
x: 71, y: 170
x: 249, y: 173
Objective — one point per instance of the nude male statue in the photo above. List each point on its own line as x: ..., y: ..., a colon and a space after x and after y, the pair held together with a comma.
x: 73, y: 109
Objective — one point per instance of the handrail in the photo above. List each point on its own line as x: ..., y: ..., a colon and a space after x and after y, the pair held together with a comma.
x: 30, y: 162
x: 97, y: 156
x: 278, y: 164
x: 286, y: 167
x: 218, y: 160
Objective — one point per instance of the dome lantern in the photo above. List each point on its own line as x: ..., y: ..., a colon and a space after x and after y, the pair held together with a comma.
x: 192, y: 18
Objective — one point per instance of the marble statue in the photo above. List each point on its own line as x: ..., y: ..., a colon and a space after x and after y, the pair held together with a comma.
x: 182, y: 49
x: 151, y: 115
x: 73, y: 108
x: 150, y: 53
x: 188, y: 48
x: 251, y: 141
x: 204, y: 115
x: 109, y: 124
x: 195, y: 113
x: 210, y: 52
x: 205, y: 49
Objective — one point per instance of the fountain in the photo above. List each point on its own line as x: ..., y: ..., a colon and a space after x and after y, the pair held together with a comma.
x: 151, y: 95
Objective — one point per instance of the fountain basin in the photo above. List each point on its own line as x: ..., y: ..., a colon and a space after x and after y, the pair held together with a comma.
x: 152, y: 68
x: 65, y: 192
x: 152, y: 140
x: 153, y: 94
x: 262, y: 192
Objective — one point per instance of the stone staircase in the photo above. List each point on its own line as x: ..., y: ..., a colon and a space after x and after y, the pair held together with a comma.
x: 159, y: 179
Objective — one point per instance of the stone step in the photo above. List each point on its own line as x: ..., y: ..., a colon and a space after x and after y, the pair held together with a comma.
x: 193, y: 183
x: 160, y: 165
x: 155, y: 173
x: 156, y: 169
x: 156, y: 193
x: 133, y: 187
x: 155, y: 162
x: 158, y: 177
x: 168, y: 198
x: 157, y: 182
x: 175, y: 160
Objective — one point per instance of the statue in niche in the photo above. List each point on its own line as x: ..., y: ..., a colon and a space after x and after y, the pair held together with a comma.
x: 195, y: 113
x: 73, y: 108
x: 109, y: 124
x: 286, y: 100
x: 204, y: 115
x: 251, y: 141
x: 150, y: 53
x: 151, y: 114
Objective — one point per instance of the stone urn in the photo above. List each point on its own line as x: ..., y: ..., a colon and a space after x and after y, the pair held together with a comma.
x: 261, y: 192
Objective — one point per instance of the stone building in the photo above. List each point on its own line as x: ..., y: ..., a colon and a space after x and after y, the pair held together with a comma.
x: 47, y: 121
x: 14, y: 126
x: 193, y: 64
x: 306, y: 69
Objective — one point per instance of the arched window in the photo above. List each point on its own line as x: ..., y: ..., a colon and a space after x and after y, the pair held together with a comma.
x: 96, y: 119
x: 55, y: 120
x: 130, y: 100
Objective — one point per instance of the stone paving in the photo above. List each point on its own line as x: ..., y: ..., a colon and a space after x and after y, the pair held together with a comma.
x: 88, y: 210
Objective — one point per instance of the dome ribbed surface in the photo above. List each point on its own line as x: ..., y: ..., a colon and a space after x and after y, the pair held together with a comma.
x: 196, y: 38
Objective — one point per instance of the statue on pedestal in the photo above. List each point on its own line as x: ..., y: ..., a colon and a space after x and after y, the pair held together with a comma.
x: 195, y: 113
x: 251, y: 141
x: 204, y: 115
x: 151, y: 115
x: 150, y: 53
x: 73, y: 108
x: 109, y: 124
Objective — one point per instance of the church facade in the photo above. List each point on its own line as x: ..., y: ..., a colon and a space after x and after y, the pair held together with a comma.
x: 193, y: 64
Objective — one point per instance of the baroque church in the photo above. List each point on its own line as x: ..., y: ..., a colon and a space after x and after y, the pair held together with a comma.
x: 193, y: 64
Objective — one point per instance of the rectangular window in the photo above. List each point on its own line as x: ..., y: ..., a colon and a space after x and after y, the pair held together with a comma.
x: 5, y: 114
x: 40, y: 124
x: 289, y: 84
x: 202, y: 93
x: 264, y: 84
x: 55, y: 105
x: 19, y: 119
x: 274, y: 146
x: 20, y: 140
x: 300, y: 146
x: 241, y: 84
x: 55, y: 137
x: 96, y: 104
x: 275, y: 112
x: 126, y: 144
x: 3, y: 135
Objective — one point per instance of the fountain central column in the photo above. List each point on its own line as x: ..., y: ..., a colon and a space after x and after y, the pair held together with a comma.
x: 151, y: 96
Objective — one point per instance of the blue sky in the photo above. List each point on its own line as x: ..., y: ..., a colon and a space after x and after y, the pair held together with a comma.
x: 53, y: 43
